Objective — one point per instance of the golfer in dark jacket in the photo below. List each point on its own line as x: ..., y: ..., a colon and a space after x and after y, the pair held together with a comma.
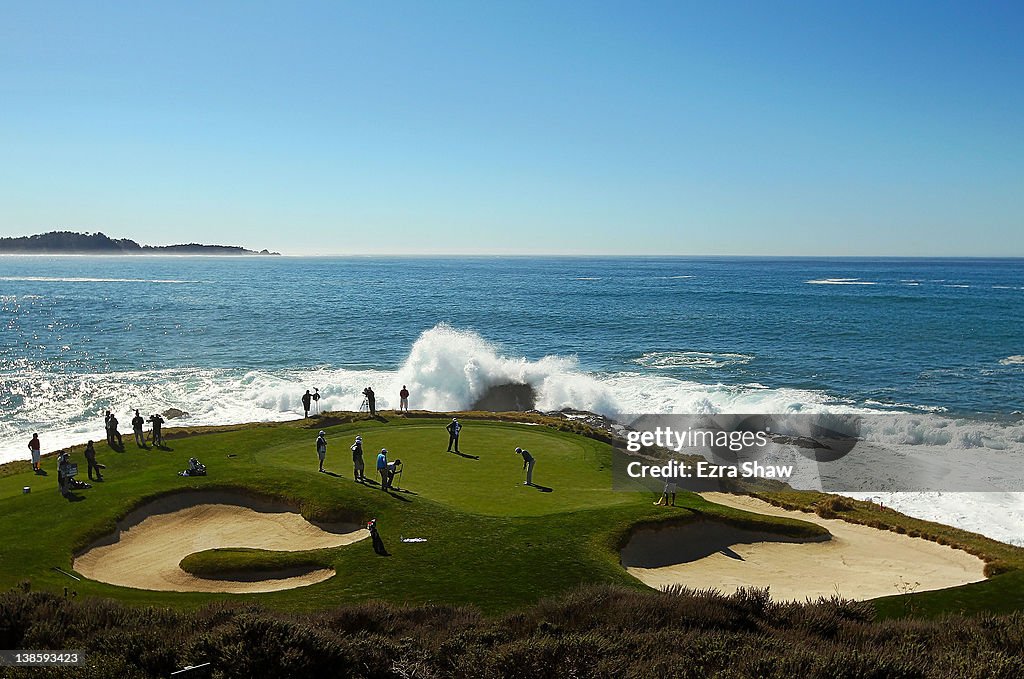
x: 358, y: 467
x: 306, y: 398
x: 137, y: 424
x: 90, y: 458
x: 453, y: 434
x: 528, y: 462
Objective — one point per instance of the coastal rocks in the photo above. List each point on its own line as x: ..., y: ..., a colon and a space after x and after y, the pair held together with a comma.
x: 507, y: 398
x: 174, y: 414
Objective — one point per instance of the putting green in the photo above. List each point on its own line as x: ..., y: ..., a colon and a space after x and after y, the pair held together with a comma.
x: 571, y: 472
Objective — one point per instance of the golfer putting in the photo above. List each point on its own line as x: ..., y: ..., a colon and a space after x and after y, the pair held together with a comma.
x: 528, y: 462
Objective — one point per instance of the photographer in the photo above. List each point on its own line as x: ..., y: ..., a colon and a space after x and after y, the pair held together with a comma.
x: 158, y: 437
x: 371, y: 401
x: 113, y: 433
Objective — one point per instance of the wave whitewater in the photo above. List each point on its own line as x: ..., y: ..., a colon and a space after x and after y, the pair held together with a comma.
x: 446, y: 369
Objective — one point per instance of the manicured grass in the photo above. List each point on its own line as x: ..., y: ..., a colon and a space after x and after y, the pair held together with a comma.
x: 490, y: 541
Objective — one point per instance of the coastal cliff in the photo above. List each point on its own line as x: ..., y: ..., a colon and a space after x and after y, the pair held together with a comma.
x: 70, y: 242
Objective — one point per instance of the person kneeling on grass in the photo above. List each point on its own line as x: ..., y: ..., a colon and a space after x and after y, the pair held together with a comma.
x: 390, y: 470
x: 670, y: 490
x: 528, y: 462
x: 321, y: 448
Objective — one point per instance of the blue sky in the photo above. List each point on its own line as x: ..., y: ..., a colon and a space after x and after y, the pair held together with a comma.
x: 761, y: 128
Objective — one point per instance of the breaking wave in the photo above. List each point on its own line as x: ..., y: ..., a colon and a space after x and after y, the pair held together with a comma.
x: 446, y: 369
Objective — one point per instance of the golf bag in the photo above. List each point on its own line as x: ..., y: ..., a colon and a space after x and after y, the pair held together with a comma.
x: 66, y: 471
x: 195, y: 468
x: 378, y: 543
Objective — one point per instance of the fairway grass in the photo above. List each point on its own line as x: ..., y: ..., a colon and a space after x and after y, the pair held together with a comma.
x: 490, y: 540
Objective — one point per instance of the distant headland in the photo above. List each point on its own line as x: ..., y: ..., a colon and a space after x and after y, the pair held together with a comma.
x: 70, y: 242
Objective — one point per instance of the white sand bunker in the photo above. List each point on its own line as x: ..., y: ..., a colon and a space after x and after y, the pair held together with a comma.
x: 152, y: 541
x: 859, y: 562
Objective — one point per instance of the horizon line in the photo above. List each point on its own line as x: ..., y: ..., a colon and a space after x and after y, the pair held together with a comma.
x: 489, y: 255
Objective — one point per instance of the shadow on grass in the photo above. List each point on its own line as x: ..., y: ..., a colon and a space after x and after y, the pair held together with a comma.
x: 465, y: 455
x: 543, y: 489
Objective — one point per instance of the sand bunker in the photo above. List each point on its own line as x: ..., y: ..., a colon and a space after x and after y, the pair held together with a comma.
x: 857, y: 563
x: 152, y: 541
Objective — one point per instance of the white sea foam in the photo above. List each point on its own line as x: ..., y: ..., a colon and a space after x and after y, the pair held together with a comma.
x: 691, y: 359
x: 1012, y: 360
x: 997, y: 515
x: 840, y: 281
x: 55, y: 279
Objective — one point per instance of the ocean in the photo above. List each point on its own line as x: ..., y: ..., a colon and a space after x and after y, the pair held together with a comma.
x: 940, y: 342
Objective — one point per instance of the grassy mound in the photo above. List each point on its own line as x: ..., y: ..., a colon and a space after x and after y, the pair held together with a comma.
x: 239, y: 562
